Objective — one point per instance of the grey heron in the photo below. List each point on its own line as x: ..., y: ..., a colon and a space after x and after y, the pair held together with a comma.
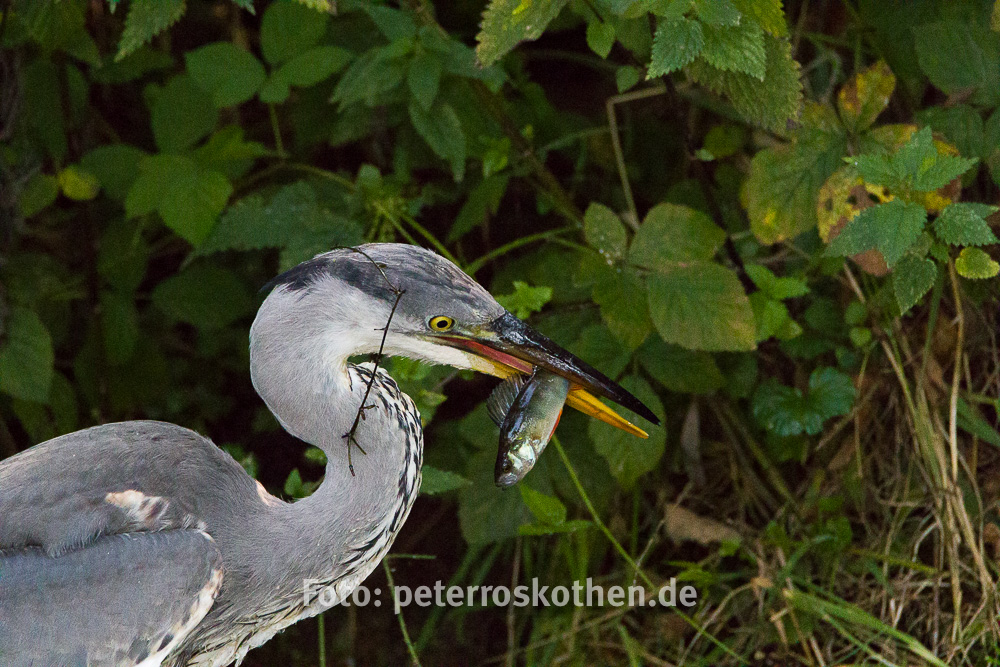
x: 142, y: 543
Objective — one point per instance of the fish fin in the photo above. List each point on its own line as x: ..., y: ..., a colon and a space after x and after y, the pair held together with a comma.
x: 499, y: 402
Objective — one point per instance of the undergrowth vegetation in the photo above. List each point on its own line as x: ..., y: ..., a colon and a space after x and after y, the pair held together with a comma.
x: 772, y: 222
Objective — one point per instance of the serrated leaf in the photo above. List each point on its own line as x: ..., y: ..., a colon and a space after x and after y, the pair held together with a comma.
x: 231, y: 75
x: 701, y: 306
x: 673, y: 233
x: 605, y: 232
x: 600, y: 37
x: 767, y: 13
x: 424, y: 78
x: 770, y: 105
x: 738, y: 48
x: 288, y: 29
x: 437, y: 481
x: 205, y: 296
x: 917, y: 164
x: 785, y: 411
x: 145, y: 20
x: 182, y: 115
x: 525, y: 299
x: 865, y: 96
x: 547, y: 510
x: 675, y: 45
x: 187, y: 197
x: 115, y: 166
x: 78, y: 183
x: 965, y: 224
x: 629, y: 457
x: 442, y: 130
x: 26, y: 357
x: 621, y: 294
x: 891, y: 228
x: 506, y: 23
x: 305, y: 69
x: 976, y: 264
x: 773, y: 286
x: 911, y: 279
x: 716, y: 12
x: 959, y: 57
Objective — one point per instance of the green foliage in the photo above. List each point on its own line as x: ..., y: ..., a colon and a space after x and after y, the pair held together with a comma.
x: 787, y: 411
x: 145, y: 20
x: 892, y: 228
x: 436, y: 481
x: 508, y: 22
x: 26, y: 358
x: 965, y: 224
x: 229, y: 73
x: 525, y: 299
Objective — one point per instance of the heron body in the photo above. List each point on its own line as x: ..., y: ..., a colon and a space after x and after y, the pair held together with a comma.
x: 142, y: 543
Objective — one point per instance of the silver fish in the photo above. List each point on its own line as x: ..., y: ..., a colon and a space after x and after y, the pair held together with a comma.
x: 527, y: 411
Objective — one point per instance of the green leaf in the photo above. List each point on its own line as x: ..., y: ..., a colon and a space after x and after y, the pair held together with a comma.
x: 525, y: 299
x: 40, y: 83
x: 206, y: 296
x: 120, y: 325
x: 182, y: 115
x: 115, y: 166
x: 305, y: 69
x: 701, y: 306
x: 532, y: 529
x: 924, y: 166
x: 785, y: 411
x: 965, y: 224
x: 442, y: 130
x: 600, y: 37
x: 487, y: 514
x: 423, y: 78
x: 717, y: 12
x: 26, y: 357
x: 770, y: 315
x: 605, y: 232
x: 975, y: 264
x: 738, y: 48
x: 679, y: 370
x: 60, y: 26
x: 289, y: 29
x: 547, y: 510
x: 962, y: 125
x: 145, y: 20
x: 621, y: 294
x: 508, y: 22
x: 891, y: 228
x: 767, y: 13
x: 773, y: 286
x: 187, y: 197
x: 673, y: 233
x: 770, y: 105
x: 38, y: 193
x: 911, y: 279
x: 675, y: 45
x: 78, y: 183
x: 436, y: 481
x: 230, y: 74
x: 626, y: 77
x: 392, y: 23
x: 372, y: 75
x: 960, y: 57
x: 629, y: 457
x: 483, y: 200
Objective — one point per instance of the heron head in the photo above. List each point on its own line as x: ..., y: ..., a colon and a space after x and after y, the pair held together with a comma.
x: 437, y: 313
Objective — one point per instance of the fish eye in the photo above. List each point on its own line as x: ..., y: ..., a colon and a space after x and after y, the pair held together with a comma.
x: 441, y: 323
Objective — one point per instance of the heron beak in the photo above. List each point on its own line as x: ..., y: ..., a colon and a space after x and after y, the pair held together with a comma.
x: 507, y: 346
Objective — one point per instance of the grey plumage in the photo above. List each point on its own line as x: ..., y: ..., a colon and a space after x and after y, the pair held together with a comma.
x: 171, y: 553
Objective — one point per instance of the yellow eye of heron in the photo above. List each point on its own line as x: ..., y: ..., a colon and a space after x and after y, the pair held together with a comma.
x: 441, y: 323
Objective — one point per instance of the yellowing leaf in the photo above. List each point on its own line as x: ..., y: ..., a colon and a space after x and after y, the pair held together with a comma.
x: 864, y: 97
x: 976, y: 264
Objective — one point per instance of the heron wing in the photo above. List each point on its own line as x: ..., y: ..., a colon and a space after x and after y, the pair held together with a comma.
x: 127, y: 599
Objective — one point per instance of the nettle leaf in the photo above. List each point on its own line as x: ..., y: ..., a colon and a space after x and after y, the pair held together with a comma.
x: 770, y: 105
x: 912, y: 278
x: 976, y: 264
x: 206, y: 296
x: 773, y: 286
x: 188, y: 197
x: 424, y: 78
x: 525, y: 299
x: 509, y: 22
x: 288, y: 29
x: 891, y: 228
x: 182, y: 114
x: 959, y: 57
x: 437, y: 481
x: 924, y: 167
x: 865, y: 96
x: 785, y: 411
x: 26, y: 357
x: 674, y: 233
x: 965, y: 224
x: 717, y: 12
x: 145, y: 20
x: 767, y: 13
x: 230, y: 74
x: 629, y: 457
x: 676, y: 44
x: 305, y: 69
x: 701, y: 306
x: 605, y: 232
x: 737, y: 48
x: 680, y: 370
x: 600, y: 37
x: 442, y: 130
x: 621, y: 294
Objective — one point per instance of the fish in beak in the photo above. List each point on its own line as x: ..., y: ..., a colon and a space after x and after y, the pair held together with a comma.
x: 507, y: 346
